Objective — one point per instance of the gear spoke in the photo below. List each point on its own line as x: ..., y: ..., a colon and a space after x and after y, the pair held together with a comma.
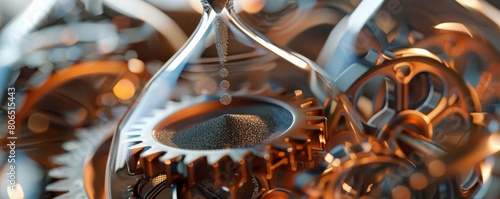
x: 436, y: 117
x: 402, y: 95
x: 422, y: 144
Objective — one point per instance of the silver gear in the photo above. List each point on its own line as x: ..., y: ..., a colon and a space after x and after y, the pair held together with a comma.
x: 456, y: 97
x: 73, y: 163
x: 295, y: 144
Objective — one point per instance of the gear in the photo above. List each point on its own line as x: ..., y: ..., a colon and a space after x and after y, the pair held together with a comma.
x: 342, y: 174
x: 53, y: 111
x: 287, y: 130
x: 473, y: 58
x: 382, y: 95
x: 412, y: 100
x: 69, y: 99
x: 73, y: 172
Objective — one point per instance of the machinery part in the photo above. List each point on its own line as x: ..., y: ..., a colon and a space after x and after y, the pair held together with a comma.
x: 55, y: 38
x: 472, y: 58
x: 71, y: 98
x: 169, y: 29
x: 419, y: 90
x: 283, y: 21
x: 52, y: 110
x: 289, y: 129
x: 466, y: 46
x: 343, y: 38
x: 14, y: 33
x: 75, y: 168
x: 148, y: 139
x: 411, y: 99
x: 342, y: 173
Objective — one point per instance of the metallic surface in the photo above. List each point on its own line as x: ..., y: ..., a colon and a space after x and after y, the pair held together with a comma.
x: 266, y: 99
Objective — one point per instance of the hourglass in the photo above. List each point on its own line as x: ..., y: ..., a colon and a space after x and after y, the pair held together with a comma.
x: 229, y: 114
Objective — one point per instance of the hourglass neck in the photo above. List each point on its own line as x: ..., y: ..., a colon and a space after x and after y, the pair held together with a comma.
x: 217, y: 5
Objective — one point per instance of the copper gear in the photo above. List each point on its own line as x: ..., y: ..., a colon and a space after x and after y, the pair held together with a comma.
x: 471, y: 53
x: 413, y: 120
x: 471, y: 58
x: 305, y: 134
x: 333, y: 177
x: 451, y: 95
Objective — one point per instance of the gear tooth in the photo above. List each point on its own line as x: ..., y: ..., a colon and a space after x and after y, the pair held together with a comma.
x: 306, y: 103
x: 134, y: 132
x: 144, y: 121
x: 150, y: 164
x: 62, y: 159
x: 134, y: 139
x: 316, y: 118
x: 149, y: 152
x: 311, y: 128
x: 71, y: 145
x: 138, y: 146
x: 298, y: 94
x: 238, y: 155
x: 60, y: 172
x: 60, y: 185
x: 298, y: 137
x: 317, y: 136
x: 314, y: 109
x: 280, y: 145
x: 67, y: 195
x: 73, y: 194
x: 138, y: 126
x: 170, y: 155
x: 158, y: 111
x: 192, y: 158
x: 213, y: 158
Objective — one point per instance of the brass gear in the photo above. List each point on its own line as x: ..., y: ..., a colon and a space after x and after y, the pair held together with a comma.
x: 296, y: 144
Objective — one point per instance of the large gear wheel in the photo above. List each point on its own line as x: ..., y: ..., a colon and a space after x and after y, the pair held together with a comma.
x: 68, y: 99
x: 297, y: 131
x: 417, y: 104
x: 74, y: 171
x: 472, y: 58
x: 413, y: 86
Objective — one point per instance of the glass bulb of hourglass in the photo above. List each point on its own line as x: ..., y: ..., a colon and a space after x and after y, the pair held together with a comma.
x: 228, y: 101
